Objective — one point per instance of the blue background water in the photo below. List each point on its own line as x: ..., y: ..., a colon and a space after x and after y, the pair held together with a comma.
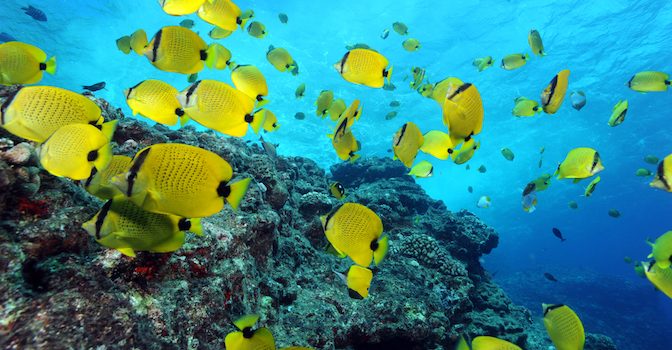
x: 602, y: 42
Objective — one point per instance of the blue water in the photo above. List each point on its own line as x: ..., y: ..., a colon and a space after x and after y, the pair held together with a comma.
x: 602, y: 42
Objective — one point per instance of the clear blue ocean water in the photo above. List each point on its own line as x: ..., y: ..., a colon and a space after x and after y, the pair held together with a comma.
x: 602, y: 42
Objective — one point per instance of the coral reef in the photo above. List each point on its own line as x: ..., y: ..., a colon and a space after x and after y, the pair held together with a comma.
x: 60, y: 289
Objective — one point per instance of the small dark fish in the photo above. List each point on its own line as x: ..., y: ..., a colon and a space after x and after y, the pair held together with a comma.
x: 94, y: 87
x: 391, y: 115
x: 389, y: 87
x: 269, y: 148
x: 467, y: 167
x: 482, y: 169
x: 4, y: 37
x: 300, y: 116
x: 395, y: 104
x: 614, y: 213
x: 550, y: 277
x: 470, y: 189
x: 384, y: 34
x: 573, y: 205
x: 540, y: 162
x: 187, y: 23
x: 283, y: 18
x: 558, y: 234
x: 578, y: 99
x: 192, y: 78
x: 627, y: 260
x: 36, y: 13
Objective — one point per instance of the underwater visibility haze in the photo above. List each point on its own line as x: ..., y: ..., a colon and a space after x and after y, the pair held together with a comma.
x: 349, y: 174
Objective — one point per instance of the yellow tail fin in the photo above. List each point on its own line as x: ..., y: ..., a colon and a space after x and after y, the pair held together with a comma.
x: 238, y: 190
x: 196, y: 226
x: 184, y: 119
x: 388, y: 74
x: 243, y: 22
x: 104, y: 157
x: 51, y: 65
x: 246, y: 321
x: 257, y: 123
x: 262, y: 102
x: 139, y: 41
x: 380, y: 253
x: 108, y: 128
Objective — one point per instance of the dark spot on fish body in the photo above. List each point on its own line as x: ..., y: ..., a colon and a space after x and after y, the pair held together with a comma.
x: 224, y: 190
x: 248, y: 332
x: 374, y: 245
x: 92, y: 156
x: 239, y: 21
x: 249, y: 118
x: 179, y: 112
x: 260, y: 98
x: 203, y: 55
x: 101, y: 217
x: 43, y: 66
x: 184, y: 224
x: 354, y: 295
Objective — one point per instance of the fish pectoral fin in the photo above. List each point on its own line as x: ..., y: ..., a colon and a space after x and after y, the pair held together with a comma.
x: 127, y: 251
x: 172, y: 244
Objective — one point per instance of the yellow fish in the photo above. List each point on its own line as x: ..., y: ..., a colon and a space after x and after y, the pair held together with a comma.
x: 337, y: 190
x: 248, y: 338
x: 36, y: 112
x: 661, y: 250
x: 400, y: 28
x: 437, y: 144
x: 75, y: 149
x: 257, y: 29
x: 591, y: 187
x: 537, y: 46
x: 336, y: 109
x: 22, y: 63
x: 124, y: 44
x: 554, y: 93
x: 663, y: 178
x: 271, y: 121
x: 426, y: 90
x: 124, y: 226
x: 514, y: 61
x: 463, y: 113
x: 445, y: 88
x: 98, y: 183
x: 649, y: 81
x: 364, y: 67
x: 300, y: 91
x: 345, y: 144
x: 525, y: 107
x: 219, y: 57
x: 351, y: 114
x: 219, y: 33
x: 138, y: 41
x: 483, y: 63
x: 618, y: 113
x: 181, y: 7
x: 466, y: 152
x: 356, y: 231
x: 661, y: 278
x: 220, y: 107
x: 359, y: 280
x: 411, y: 44
x: 418, y: 77
x: 223, y: 14
x: 281, y: 59
x: 180, y: 180
x: 406, y: 143
x: 250, y: 81
x: 177, y: 49
x: 422, y: 170
x: 491, y: 343
x: 157, y: 101
x: 563, y: 327
x: 580, y: 163
x: 323, y: 103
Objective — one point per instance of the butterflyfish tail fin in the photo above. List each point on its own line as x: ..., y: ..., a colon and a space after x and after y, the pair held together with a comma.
x: 257, y: 123
x: 51, y: 65
x: 380, y: 253
x: 237, y: 192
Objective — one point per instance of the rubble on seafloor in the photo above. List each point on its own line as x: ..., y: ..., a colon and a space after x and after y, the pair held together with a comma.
x: 59, y: 289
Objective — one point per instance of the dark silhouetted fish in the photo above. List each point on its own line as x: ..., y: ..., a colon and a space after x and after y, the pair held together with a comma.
x: 94, y: 87
x: 4, y: 37
x: 36, y: 13
x: 269, y: 148
x: 550, y: 277
x: 558, y: 234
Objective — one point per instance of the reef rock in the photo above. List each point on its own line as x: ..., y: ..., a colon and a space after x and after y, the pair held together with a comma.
x: 60, y: 289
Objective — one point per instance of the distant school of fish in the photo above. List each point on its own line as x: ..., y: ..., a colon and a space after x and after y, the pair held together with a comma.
x: 148, y: 208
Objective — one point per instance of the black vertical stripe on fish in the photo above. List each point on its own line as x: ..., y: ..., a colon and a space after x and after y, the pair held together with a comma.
x: 330, y: 215
x: 354, y: 295
x: 596, y: 159
x: 101, y: 217
x: 5, y: 105
x: 94, y: 171
x: 546, y: 99
x: 343, y: 60
x: 128, y: 95
x: 203, y: 55
x: 661, y: 174
x: 340, y: 131
x: 157, y: 42
x: 552, y: 307
x: 401, y: 134
x: 459, y: 90
x: 133, y: 171
x: 192, y: 89
x: 43, y: 66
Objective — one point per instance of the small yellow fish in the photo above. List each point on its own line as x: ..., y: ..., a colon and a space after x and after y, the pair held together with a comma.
x: 36, y: 112
x: 124, y: 226
x: 563, y: 327
x: 222, y: 13
x: 445, y: 88
x: 248, y: 338
x: 649, y: 81
x: 406, y: 143
x: 483, y: 63
x: 74, y: 150
x: 300, y: 91
x: 591, y: 187
x: 336, y: 109
x: 355, y: 230
x: 359, y: 280
x: 466, y: 152
x: 271, y: 121
x: 400, y: 28
x: 23, y: 63
x: 364, y: 67
x: 323, y: 103
x: 219, y: 33
x: 514, y: 61
x: 345, y: 144
x: 98, y: 183
x: 663, y: 178
x: 351, y: 114
x: 437, y: 144
x: 181, y: 7
x: 281, y: 59
x: 554, y: 93
x: 422, y: 170
x: 580, y: 163
x: 251, y: 81
x: 411, y: 44
x: 660, y: 277
x: 124, y: 44
x: 182, y: 180
x: 525, y: 107
x: 618, y: 113
x: 661, y: 250
x: 507, y: 153
x: 155, y: 100
x: 337, y: 190
x: 463, y: 113
x: 537, y: 46
x: 257, y: 29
